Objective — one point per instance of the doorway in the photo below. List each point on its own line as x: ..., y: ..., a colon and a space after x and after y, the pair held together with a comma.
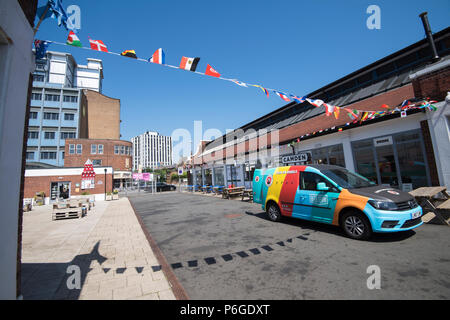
x: 60, y: 190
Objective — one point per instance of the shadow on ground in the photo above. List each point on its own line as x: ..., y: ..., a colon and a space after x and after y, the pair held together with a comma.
x: 48, y: 281
x: 321, y: 227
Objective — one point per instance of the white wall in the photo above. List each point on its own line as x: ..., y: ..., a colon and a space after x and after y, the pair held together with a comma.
x: 439, y: 124
x: 17, y: 57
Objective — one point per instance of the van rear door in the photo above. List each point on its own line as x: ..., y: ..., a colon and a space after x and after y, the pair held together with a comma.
x: 258, y: 179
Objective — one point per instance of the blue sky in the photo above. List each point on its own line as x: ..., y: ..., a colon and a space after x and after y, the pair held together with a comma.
x: 293, y: 46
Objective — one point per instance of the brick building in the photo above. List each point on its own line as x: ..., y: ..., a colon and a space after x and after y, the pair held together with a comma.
x: 53, y: 182
x: 405, y: 152
x: 100, y: 116
x: 102, y: 152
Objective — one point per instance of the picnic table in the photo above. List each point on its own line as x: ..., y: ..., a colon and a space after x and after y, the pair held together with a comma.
x: 247, y: 193
x: 218, y: 189
x: 206, y: 188
x: 435, y: 199
x: 229, y: 192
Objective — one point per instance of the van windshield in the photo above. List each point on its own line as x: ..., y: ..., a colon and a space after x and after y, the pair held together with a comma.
x: 347, y: 179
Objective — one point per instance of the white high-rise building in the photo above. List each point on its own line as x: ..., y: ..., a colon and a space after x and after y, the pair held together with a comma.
x: 151, y: 150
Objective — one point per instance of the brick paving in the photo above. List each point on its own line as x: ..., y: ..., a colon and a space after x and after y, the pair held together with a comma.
x: 108, y: 245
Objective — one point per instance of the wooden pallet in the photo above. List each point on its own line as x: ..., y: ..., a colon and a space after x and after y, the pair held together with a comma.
x: 71, y: 213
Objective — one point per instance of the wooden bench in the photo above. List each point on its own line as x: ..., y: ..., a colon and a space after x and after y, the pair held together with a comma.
x: 435, y: 199
x: 230, y: 192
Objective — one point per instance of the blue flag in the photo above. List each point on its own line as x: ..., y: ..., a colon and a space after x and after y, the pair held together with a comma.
x: 41, y: 48
x: 56, y: 11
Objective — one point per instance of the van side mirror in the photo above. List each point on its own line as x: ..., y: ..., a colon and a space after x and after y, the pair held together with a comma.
x: 321, y: 186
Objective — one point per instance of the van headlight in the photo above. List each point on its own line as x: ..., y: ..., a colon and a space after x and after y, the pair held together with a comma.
x: 383, y: 205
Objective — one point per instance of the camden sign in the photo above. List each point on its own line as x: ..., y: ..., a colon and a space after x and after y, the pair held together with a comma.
x: 294, y: 158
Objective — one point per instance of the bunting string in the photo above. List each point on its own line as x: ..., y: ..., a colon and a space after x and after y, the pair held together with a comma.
x: 190, y: 64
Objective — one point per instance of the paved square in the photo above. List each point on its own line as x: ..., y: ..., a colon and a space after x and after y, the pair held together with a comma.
x: 109, y: 247
x: 225, y: 249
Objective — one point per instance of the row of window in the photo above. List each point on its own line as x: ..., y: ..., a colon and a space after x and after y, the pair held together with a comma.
x: 51, y: 135
x: 122, y: 150
x: 53, y: 116
x: 54, y: 97
x: 78, y: 149
x: 45, y: 155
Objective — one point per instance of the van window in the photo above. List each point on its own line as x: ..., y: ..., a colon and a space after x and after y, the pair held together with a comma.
x: 309, y: 181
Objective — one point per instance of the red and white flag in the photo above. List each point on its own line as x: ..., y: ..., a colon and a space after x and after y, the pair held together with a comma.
x: 211, y: 72
x: 282, y: 96
x: 98, y: 45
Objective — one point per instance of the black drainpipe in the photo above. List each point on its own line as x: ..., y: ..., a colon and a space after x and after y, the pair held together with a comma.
x: 426, y: 26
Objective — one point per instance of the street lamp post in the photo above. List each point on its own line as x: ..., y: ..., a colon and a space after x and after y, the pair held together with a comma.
x: 105, y: 183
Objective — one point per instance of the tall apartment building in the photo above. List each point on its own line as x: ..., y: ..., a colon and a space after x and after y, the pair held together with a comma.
x: 151, y: 150
x: 56, y: 104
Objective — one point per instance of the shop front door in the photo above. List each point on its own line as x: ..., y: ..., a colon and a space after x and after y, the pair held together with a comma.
x: 387, y: 166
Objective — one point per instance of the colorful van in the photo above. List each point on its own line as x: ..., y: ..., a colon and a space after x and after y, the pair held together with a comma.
x: 334, y: 195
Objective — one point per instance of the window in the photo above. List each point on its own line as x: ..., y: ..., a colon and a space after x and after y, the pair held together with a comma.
x: 93, y: 149
x: 33, y: 115
x: 62, y: 155
x: 97, y: 162
x: 70, y: 99
x: 100, y: 149
x: 40, y: 66
x: 68, y: 135
x: 47, y: 155
x: 71, y: 149
x: 79, y: 148
x: 69, y: 116
x: 36, y: 96
x: 51, y: 97
x: 51, y: 116
x: 38, y: 77
x: 309, y: 181
x: 122, y: 149
x: 33, y: 135
x: 49, y: 135
x: 30, y: 155
x: 116, y: 149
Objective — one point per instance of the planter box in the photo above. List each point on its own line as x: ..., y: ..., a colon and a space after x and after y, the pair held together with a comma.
x: 108, y: 198
x: 115, y: 197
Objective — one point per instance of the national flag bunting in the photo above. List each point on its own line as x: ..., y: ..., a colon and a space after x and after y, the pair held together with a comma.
x: 315, y: 102
x: 73, y: 40
x: 189, y: 64
x: 282, y: 96
x: 129, y: 54
x: 211, y: 72
x: 41, y: 48
x: 336, y: 112
x: 297, y: 99
x: 158, y: 57
x: 240, y: 83
x: 98, y: 45
x: 329, y: 109
x: 262, y: 88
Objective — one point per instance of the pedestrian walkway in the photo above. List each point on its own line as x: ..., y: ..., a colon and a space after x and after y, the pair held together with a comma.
x: 107, y: 245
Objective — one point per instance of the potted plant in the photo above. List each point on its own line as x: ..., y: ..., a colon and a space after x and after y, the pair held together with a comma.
x: 108, y: 196
x: 115, y: 195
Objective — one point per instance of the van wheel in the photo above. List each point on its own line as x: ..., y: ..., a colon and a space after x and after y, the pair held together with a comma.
x: 356, y: 225
x: 273, y: 212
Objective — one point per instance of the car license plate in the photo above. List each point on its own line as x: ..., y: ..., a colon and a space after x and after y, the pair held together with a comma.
x: 416, y: 214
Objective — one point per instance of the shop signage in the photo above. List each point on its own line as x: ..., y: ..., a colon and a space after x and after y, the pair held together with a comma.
x: 384, y: 141
x: 293, y: 158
